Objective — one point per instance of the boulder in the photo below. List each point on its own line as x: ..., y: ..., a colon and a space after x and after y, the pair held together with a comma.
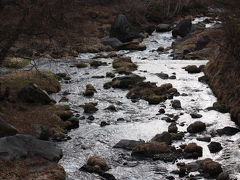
x: 81, y: 65
x: 126, y: 82
x: 111, y: 108
x: 223, y: 176
x: 204, y: 139
x: 193, y: 69
x: 133, y: 47
x: 183, y: 28
x: 33, y: 94
x: 123, y: 30
x: 176, y: 104
x: 195, y: 115
x: 196, y: 127
x: 113, y: 42
x: 90, y: 90
x: 229, y: 131
x: 213, y: 169
x: 163, y: 137
x: 7, y: 129
x: 90, y: 108
x: 20, y: 145
x: 198, y: 26
x: 98, y: 163
x: 192, y: 150
x: 163, y: 28
x: 128, y: 144
x: 172, y: 128
x: 162, y: 75
x: 104, y: 123
x: 215, y: 147
x: 150, y: 149
x: 97, y: 64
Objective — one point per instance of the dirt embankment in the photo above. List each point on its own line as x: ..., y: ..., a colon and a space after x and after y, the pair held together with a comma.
x: 223, y: 69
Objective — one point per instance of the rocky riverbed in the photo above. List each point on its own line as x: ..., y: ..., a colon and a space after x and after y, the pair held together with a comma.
x: 186, y: 112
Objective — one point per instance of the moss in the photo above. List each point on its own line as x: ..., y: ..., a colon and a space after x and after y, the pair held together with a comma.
x: 15, y: 62
x: 18, y: 79
x: 124, y: 64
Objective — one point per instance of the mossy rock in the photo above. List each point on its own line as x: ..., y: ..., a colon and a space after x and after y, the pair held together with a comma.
x: 124, y: 64
x: 15, y: 62
x: 16, y: 80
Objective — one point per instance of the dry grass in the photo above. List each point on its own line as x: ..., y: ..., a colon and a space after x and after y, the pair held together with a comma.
x: 16, y: 80
x: 18, y: 170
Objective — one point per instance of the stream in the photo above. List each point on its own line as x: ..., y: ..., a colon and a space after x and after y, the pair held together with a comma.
x: 139, y: 120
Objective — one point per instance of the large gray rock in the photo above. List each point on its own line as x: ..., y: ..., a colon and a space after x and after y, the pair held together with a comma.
x: 113, y: 42
x: 163, y: 28
x: 123, y: 30
x: 7, y: 129
x: 183, y: 28
x: 20, y: 145
x: 34, y: 94
x: 128, y: 144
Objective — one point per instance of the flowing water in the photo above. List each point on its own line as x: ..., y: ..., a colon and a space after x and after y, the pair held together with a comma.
x: 140, y: 120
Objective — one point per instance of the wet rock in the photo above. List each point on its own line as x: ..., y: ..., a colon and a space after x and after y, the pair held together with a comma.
x: 163, y: 28
x: 91, y: 118
x: 113, y: 42
x: 198, y: 26
x: 223, y: 176
x: 192, y: 150
x: 150, y: 29
x: 160, y: 49
x: 155, y: 99
x: 33, y: 94
x: 123, y: 30
x: 151, y: 148
x: 176, y: 104
x: 133, y: 46
x: 215, y: 147
x: 20, y: 145
x: 81, y: 65
x: 203, y: 79
x: 168, y: 157
x: 192, y: 69
x: 162, y: 75
x: 172, y: 77
x: 7, y: 129
x: 98, y: 163
x: 213, y: 169
x: 177, y: 136
x: 196, y: 127
x: 161, y: 111
x: 172, y: 128
x: 204, y: 139
x: 167, y: 119
x: 97, y: 64
x: 229, y: 131
x: 90, y: 108
x: 111, y: 108
x: 110, y: 75
x: 183, y: 28
x: 105, y: 56
x: 128, y: 144
x: 202, y: 43
x: 104, y: 123
x: 90, y: 90
x: 163, y: 137
x: 98, y: 77
x: 195, y: 115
